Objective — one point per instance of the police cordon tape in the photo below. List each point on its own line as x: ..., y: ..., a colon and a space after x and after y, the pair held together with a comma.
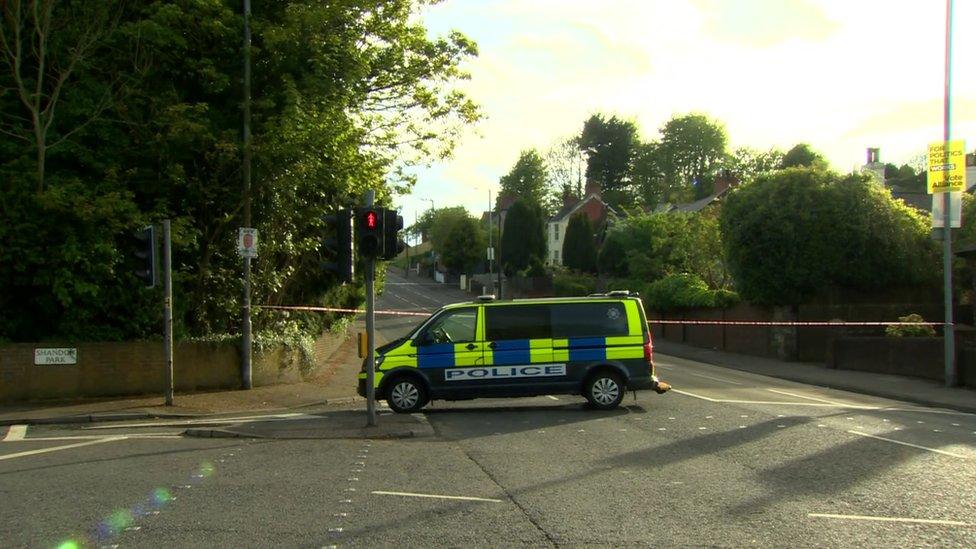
x: 790, y: 323
x: 339, y: 310
x: 653, y: 321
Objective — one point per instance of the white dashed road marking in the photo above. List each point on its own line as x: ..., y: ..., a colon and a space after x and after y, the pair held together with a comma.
x: 433, y: 496
x: 889, y: 519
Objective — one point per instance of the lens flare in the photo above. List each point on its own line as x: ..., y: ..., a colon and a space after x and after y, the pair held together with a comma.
x: 161, y: 496
x: 69, y: 544
x: 206, y: 469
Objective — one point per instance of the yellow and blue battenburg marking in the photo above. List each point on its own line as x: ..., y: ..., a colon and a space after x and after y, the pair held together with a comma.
x: 518, y: 352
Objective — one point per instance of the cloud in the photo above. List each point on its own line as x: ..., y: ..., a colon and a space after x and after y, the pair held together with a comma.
x: 764, y: 23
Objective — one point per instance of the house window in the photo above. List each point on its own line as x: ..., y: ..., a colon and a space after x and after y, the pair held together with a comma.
x: 555, y: 230
x: 555, y: 255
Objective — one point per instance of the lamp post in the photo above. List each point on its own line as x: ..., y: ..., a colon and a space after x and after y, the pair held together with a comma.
x: 431, y: 200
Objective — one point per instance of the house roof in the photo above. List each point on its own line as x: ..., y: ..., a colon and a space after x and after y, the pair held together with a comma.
x: 919, y: 201
x: 567, y: 211
x: 696, y: 206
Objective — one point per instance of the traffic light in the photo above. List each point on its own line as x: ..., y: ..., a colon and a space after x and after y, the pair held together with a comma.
x: 145, y: 253
x: 369, y: 232
x: 340, y: 245
x: 392, y: 225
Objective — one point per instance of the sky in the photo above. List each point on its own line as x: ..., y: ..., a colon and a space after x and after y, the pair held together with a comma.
x: 840, y: 75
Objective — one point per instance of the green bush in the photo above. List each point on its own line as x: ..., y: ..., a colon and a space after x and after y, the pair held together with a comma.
x: 795, y: 232
x: 910, y: 331
x: 685, y: 290
x: 573, y: 284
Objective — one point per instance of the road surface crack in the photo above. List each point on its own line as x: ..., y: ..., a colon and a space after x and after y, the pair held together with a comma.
x: 552, y: 539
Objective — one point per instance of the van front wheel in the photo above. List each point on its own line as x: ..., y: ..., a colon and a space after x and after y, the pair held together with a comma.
x: 604, y: 391
x: 406, y: 395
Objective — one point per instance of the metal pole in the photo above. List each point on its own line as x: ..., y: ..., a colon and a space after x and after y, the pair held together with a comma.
x: 491, y: 227
x: 246, y: 309
x: 168, y: 312
x: 951, y: 378
x: 370, y: 333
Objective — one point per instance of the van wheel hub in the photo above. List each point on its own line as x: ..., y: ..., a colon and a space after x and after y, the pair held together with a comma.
x: 605, y: 391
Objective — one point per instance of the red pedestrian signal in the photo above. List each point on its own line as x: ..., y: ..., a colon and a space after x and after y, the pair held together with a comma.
x: 368, y: 233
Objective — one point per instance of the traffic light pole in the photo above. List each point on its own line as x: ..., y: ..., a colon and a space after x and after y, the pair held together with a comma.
x: 370, y: 332
x: 168, y: 312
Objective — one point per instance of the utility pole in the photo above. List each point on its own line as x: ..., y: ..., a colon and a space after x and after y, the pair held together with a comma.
x: 951, y: 377
x: 168, y: 312
x: 246, y: 169
x: 370, y: 329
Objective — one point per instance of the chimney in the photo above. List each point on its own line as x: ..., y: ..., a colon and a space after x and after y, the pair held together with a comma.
x: 874, y: 155
x: 724, y: 180
x: 568, y: 198
x: 592, y: 187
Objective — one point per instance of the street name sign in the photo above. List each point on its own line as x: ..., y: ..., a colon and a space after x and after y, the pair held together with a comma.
x: 55, y: 356
x: 947, y: 166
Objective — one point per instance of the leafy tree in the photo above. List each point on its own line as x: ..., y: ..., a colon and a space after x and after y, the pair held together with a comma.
x: 522, y: 237
x: 612, y: 259
x: 462, y: 245
x: 747, y: 164
x: 609, y: 146
x: 801, y: 155
x: 691, y: 148
x: 647, y: 173
x: 526, y: 180
x: 346, y: 96
x: 579, y: 247
x: 45, y: 50
x: 905, y: 178
x: 565, y: 172
x: 657, y: 245
x: 795, y: 232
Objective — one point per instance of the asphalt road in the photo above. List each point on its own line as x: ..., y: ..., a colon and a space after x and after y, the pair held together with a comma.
x: 726, y: 459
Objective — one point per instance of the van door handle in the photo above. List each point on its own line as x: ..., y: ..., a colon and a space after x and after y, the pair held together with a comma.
x: 471, y: 346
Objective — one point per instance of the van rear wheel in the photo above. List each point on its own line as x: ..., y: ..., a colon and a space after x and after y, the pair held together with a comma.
x: 604, y: 391
x: 406, y: 395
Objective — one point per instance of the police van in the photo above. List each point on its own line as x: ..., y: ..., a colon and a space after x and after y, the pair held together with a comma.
x: 597, y: 346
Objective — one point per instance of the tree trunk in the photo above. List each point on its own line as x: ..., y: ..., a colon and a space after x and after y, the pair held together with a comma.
x: 41, y: 158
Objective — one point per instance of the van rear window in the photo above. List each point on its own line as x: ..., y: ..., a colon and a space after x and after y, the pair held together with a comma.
x: 589, y: 319
x: 517, y: 322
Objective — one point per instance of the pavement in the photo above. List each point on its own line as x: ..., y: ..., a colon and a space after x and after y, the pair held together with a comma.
x: 335, y: 387
x: 329, y: 394
x: 908, y: 389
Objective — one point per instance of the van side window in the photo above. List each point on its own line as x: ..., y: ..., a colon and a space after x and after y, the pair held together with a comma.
x: 517, y: 322
x: 455, y: 326
x: 589, y: 319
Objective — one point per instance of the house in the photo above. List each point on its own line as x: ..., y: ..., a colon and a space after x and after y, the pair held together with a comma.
x: 920, y: 201
x: 599, y: 212
x: 724, y: 181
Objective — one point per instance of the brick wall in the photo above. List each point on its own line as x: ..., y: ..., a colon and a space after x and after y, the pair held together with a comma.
x: 134, y: 368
